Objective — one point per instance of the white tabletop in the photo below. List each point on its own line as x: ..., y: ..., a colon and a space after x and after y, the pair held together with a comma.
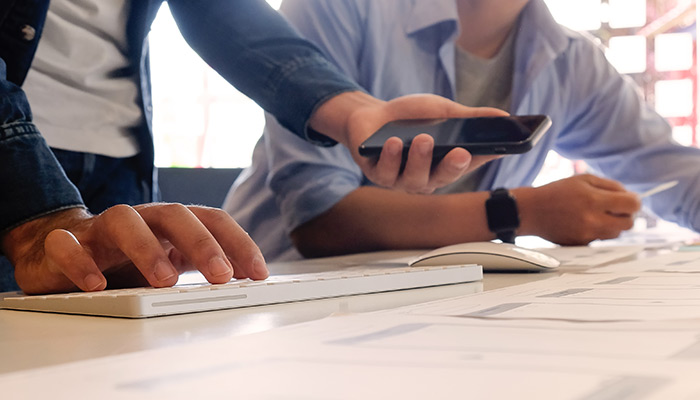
x: 31, y: 340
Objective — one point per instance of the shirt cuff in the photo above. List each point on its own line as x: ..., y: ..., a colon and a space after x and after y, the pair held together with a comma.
x: 32, y: 181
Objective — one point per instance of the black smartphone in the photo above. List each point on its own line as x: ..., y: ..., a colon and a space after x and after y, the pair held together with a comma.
x: 480, y: 135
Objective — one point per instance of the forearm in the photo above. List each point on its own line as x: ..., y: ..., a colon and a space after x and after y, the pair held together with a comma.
x: 333, y: 117
x: 572, y: 211
x: 32, y: 183
x: 371, y: 218
x: 257, y: 51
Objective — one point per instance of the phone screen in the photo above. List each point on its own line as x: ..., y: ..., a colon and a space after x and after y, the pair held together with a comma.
x: 480, y: 135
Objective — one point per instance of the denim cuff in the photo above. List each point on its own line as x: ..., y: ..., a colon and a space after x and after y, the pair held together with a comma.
x: 296, y: 101
x: 32, y: 183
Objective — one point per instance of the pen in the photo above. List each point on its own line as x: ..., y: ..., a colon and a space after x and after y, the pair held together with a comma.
x: 659, y: 188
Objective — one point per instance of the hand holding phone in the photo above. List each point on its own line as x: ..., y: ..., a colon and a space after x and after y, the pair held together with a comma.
x: 479, y: 135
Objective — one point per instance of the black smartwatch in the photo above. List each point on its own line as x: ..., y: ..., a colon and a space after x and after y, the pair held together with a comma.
x: 502, y: 215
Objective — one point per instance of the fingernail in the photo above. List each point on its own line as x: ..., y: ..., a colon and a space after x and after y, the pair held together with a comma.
x: 164, y: 271
x: 394, y: 148
x: 93, y: 282
x: 425, y: 148
x: 218, y: 267
x: 259, y: 267
x: 462, y: 165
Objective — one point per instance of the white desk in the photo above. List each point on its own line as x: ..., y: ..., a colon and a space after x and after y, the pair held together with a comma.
x: 31, y: 340
x: 520, y: 335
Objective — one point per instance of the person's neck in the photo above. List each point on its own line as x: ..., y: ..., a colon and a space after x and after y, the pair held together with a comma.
x: 486, y: 24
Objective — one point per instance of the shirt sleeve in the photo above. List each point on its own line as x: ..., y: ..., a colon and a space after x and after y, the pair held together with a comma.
x: 308, y: 180
x: 610, y: 126
x: 257, y: 51
x: 32, y: 183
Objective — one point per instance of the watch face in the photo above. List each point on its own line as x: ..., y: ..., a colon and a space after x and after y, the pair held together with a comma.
x: 502, y: 212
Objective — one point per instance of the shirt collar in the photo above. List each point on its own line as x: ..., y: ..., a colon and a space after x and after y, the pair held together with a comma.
x: 537, y: 25
x: 537, y: 22
x: 429, y: 13
x: 538, y: 34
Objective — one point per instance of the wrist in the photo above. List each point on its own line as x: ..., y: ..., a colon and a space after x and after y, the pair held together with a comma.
x: 28, y: 238
x: 502, y: 214
x: 528, y: 207
x: 333, y: 117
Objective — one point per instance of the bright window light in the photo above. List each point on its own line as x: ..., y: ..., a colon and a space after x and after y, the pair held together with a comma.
x: 627, y: 13
x: 683, y: 134
x: 673, y: 52
x: 628, y: 53
x: 555, y: 168
x: 674, y: 98
x: 580, y: 15
x: 199, y: 119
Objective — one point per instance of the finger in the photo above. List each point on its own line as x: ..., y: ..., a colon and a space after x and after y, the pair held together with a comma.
x: 386, y: 171
x: 189, y: 236
x: 179, y: 261
x: 450, y: 168
x: 182, y: 264
x: 125, y: 276
x: 67, y: 257
x: 416, y: 174
x: 478, y: 161
x: 240, y: 249
x: 605, y: 184
x: 613, y: 225
x: 133, y: 236
x: 435, y: 107
x: 622, y: 203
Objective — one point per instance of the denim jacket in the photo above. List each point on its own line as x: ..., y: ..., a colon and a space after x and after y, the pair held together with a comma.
x: 246, y: 41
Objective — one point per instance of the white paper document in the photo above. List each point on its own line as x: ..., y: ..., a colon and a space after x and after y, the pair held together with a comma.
x: 591, y: 256
x: 672, y: 262
x: 380, y: 356
x: 583, y: 298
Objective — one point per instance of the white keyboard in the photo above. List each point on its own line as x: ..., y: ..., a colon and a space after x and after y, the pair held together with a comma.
x: 188, y: 298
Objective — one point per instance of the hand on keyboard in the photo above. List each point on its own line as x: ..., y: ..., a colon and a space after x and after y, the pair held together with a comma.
x: 124, y: 246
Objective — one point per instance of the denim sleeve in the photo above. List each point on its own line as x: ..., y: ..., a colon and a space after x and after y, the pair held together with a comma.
x: 257, y: 51
x: 32, y: 183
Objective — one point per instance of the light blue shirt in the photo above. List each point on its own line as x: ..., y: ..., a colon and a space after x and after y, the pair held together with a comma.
x: 398, y: 47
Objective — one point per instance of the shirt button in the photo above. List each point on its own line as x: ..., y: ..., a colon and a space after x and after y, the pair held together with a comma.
x: 28, y: 33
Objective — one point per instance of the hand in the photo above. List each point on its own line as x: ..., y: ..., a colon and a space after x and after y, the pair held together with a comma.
x: 352, y: 117
x: 149, y: 244
x: 577, y: 210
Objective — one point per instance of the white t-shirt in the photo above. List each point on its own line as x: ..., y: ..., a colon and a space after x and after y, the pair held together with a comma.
x: 76, y: 104
x: 482, y: 83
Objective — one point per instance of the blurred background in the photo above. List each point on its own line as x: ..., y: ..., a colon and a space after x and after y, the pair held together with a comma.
x: 653, y: 41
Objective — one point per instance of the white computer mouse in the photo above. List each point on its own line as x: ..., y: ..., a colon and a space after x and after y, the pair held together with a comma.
x: 492, y: 256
